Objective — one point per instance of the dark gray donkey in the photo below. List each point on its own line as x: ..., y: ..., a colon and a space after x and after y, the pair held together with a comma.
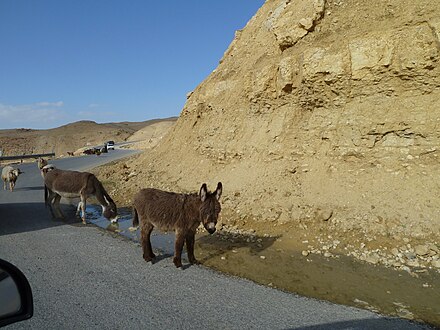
x: 182, y: 213
x: 72, y: 184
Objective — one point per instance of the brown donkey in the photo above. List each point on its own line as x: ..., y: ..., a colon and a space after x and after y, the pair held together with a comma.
x: 179, y: 212
x: 72, y: 184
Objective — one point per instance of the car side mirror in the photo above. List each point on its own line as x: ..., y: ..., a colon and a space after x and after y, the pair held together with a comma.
x: 16, y: 302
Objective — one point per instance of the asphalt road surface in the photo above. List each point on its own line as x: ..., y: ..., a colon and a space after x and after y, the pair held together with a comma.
x: 83, y: 277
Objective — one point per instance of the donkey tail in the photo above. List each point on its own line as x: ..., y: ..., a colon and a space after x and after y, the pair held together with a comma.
x: 135, y: 217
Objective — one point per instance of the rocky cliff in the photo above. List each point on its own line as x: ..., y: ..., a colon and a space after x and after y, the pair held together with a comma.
x: 321, y: 114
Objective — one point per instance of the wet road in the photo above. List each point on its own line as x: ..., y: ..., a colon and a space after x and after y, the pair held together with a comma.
x: 83, y: 277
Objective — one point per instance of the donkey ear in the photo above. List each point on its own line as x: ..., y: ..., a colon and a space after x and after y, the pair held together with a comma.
x: 203, y: 192
x: 218, y: 191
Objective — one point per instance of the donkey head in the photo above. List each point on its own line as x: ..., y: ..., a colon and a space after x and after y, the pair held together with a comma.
x: 110, y: 211
x: 210, y: 207
x: 41, y: 163
x: 17, y: 172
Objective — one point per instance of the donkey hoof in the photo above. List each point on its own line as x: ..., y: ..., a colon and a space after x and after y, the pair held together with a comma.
x: 177, y: 263
x: 148, y: 259
x: 194, y: 262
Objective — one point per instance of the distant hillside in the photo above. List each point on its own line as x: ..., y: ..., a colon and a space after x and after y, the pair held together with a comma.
x: 68, y: 137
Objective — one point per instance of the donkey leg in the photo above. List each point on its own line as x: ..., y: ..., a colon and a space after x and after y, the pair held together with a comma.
x: 49, y: 202
x: 190, y: 238
x: 78, y: 208
x: 83, y: 207
x: 146, y: 242
x: 178, y: 246
x: 56, y: 204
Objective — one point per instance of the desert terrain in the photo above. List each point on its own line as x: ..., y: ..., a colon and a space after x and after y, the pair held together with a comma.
x: 321, y: 121
x: 76, y: 136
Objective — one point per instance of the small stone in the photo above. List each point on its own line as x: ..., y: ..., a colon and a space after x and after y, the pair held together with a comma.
x: 327, y: 254
x: 406, y: 269
x: 305, y: 253
x: 413, y: 263
x: 421, y: 250
x: 434, y: 247
x: 372, y: 259
x: 396, y: 264
x: 323, y: 215
x: 223, y: 258
x: 262, y: 257
x: 435, y: 263
x: 306, y: 23
x: 394, y: 251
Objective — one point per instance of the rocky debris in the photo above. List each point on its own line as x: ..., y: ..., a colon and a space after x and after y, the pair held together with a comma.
x: 408, y: 258
x: 234, y: 234
x: 305, y: 14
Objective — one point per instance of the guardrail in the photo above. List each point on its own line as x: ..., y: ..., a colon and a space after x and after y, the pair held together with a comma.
x: 52, y: 154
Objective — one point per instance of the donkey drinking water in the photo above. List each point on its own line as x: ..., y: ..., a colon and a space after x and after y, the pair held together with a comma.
x: 179, y: 212
x: 73, y: 184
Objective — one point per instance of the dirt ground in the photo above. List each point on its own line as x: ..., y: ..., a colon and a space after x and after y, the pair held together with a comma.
x: 309, y: 259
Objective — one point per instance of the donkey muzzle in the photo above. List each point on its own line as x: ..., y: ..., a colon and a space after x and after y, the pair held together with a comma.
x: 210, y: 227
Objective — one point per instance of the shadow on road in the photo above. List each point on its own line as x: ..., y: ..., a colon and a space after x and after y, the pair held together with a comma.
x: 24, y: 217
x: 223, y: 242
x: 29, y: 188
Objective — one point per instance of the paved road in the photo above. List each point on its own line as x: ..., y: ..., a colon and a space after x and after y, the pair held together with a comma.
x: 83, y: 277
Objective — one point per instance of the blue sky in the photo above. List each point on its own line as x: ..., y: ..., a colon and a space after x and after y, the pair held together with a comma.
x: 109, y: 61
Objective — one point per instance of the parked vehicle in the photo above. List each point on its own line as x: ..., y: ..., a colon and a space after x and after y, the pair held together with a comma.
x: 110, y: 145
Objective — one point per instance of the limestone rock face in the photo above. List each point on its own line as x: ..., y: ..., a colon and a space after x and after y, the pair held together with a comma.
x: 320, y: 105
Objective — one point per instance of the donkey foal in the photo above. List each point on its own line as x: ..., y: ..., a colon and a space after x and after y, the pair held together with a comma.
x: 179, y: 212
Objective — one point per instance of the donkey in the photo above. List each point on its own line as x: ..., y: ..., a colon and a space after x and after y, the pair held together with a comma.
x: 10, y: 175
x: 44, y: 166
x: 72, y: 184
x: 179, y: 212
x: 41, y: 162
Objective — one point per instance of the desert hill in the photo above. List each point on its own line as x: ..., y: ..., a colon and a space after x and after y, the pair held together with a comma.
x: 69, y: 137
x: 321, y: 119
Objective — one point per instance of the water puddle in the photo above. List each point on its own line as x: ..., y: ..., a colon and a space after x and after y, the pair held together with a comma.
x: 273, y: 262
x: 163, y: 243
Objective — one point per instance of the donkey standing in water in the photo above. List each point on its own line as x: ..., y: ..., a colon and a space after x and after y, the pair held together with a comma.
x: 72, y: 184
x: 179, y: 212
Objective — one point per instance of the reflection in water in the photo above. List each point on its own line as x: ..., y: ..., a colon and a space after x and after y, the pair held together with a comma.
x: 163, y: 243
